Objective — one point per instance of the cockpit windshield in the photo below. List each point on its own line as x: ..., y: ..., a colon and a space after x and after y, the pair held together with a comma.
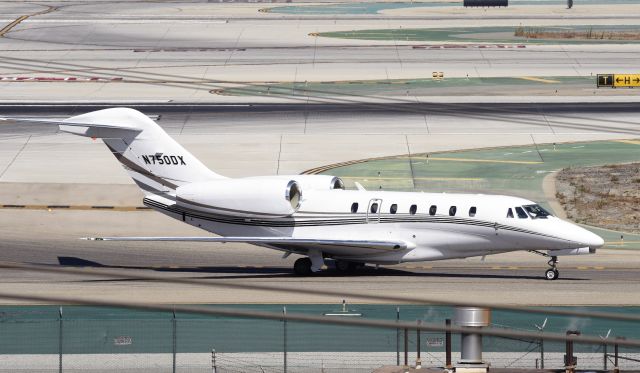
x: 536, y: 211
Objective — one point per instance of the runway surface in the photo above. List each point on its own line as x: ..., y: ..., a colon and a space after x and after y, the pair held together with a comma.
x: 150, y: 51
x: 608, y: 278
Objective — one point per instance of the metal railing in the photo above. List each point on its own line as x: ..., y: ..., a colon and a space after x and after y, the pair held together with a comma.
x: 292, y: 340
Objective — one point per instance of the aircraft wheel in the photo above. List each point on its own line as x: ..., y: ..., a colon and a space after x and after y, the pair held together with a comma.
x: 551, y: 274
x: 344, y: 266
x: 302, y: 267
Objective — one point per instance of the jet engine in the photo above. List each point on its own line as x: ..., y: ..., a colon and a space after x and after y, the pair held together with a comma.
x: 317, y: 182
x: 243, y: 197
x: 307, y: 182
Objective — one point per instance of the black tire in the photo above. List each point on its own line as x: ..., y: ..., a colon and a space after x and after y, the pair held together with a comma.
x: 302, y: 267
x: 551, y: 274
x: 343, y: 266
x: 347, y: 267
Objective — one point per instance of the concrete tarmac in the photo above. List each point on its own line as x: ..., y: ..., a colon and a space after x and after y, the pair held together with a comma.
x: 155, y: 51
x: 607, y: 278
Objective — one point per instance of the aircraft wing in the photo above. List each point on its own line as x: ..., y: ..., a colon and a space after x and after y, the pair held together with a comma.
x: 296, y: 244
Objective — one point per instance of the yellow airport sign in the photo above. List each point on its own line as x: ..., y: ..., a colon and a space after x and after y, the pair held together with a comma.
x: 618, y: 80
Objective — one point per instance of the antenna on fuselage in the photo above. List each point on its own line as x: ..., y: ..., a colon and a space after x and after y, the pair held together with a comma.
x: 360, y: 187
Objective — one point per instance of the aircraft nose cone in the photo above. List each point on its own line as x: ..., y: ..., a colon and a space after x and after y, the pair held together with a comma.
x: 590, y: 239
x: 594, y: 241
x: 583, y: 237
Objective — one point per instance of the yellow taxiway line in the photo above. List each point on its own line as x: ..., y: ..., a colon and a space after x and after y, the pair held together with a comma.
x: 538, y: 79
x: 634, y: 142
x: 11, y: 25
x: 18, y: 20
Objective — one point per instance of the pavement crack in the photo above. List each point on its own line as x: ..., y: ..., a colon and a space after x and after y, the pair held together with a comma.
x: 235, y: 47
x: 544, y: 116
x: 15, y: 157
x: 536, y: 145
x: 424, y: 115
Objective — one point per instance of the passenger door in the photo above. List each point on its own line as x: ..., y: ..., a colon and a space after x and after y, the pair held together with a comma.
x: 373, y: 210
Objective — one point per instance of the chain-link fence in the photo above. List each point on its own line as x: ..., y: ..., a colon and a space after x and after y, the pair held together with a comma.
x: 100, y: 339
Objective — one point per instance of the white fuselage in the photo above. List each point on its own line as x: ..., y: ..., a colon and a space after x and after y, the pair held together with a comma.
x: 480, y: 225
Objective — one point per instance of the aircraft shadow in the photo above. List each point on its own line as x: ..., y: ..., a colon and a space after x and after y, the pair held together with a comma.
x: 243, y: 272
x: 393, y: 272
x: 234, y: 272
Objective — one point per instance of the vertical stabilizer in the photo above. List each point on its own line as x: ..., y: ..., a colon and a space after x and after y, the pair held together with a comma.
x: 155, y: 161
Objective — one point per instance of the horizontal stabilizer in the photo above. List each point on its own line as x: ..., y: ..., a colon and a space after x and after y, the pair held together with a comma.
x: 384, y: 245
x: 61, y: 122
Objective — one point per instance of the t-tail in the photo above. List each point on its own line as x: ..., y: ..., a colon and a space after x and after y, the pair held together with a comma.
x: 155, y: 161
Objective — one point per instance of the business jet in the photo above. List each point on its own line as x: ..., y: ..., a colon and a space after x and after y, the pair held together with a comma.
x: 314, y: 216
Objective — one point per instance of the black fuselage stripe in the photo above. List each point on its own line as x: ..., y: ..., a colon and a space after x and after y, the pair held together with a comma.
x: 292, y: 222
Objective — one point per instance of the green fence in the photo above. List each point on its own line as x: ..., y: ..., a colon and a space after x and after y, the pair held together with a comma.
x: 100, y: 339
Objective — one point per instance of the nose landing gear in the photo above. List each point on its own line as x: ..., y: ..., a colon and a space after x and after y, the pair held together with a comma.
x: 551, y: 273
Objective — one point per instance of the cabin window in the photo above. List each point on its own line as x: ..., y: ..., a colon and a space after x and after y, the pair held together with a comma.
x: 537, y: 212
x: 472, y: 211
x: 393, y: 209
x: 354, y: 207
x: 521, y: 213
x: 374, y: 207
x: 413, y: 209
x: 510, y: 213
x: 433, y: 209
x: 452, y: 211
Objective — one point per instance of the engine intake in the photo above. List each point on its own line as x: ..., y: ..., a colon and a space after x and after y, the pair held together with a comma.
x: 293, y: 194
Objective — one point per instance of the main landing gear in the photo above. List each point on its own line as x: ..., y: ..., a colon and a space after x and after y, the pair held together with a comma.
x: 551, y: 273
x: 304, y: 266
x: 346, y: 267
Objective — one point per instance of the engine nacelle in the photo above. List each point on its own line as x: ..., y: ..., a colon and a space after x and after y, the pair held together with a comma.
x: 580, y: 251
x: 250, y: 197
x: 319, y: 182
x: 308, y: 182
